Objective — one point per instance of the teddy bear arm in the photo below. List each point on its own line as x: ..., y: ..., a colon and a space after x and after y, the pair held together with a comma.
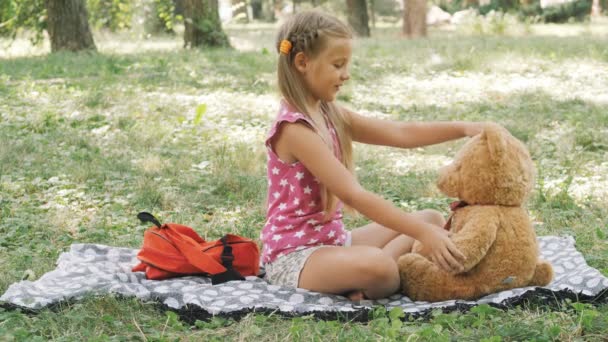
x: 475, y: 239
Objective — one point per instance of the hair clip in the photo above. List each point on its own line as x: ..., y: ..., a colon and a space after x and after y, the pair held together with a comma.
x: 285, y: 46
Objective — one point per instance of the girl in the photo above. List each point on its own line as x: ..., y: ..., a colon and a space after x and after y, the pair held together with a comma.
x: 310, y: 175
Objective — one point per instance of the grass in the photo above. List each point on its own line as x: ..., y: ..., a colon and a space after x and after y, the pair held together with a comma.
x: 89, y: 140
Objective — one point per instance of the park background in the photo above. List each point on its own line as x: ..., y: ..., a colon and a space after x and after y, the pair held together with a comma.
x: 111, y: 107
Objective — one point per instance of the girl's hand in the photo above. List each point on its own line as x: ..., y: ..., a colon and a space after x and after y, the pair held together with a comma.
x: 442, y: 250
x: 473, y: 128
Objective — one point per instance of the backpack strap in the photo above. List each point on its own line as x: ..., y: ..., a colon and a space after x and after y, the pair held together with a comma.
x: 227, y: 258
x: 147, y: 217
x: 193, y: 253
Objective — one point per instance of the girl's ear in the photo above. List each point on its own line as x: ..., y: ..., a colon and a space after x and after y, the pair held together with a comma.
x: 300, y: 61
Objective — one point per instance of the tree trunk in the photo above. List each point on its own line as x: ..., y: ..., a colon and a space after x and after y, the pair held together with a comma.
x: 202, y: 24
x: 596, y: 8
x: 357, y: 17
x: 372, y: 10
x: 257, y: 11
x: 68, y: 25
x: 414, y: 18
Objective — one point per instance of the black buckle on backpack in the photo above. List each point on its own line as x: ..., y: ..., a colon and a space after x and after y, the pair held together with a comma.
x: 227, y: 258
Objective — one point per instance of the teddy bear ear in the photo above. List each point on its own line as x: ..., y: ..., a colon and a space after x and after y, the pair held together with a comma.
x: 496, y: 141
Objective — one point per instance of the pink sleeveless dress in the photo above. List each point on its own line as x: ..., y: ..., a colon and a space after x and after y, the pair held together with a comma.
x: 294, y: 212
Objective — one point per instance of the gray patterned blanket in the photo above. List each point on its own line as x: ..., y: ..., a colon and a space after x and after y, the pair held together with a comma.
x: 90, y: 269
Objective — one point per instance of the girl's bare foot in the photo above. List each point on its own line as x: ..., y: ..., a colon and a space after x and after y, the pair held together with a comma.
x: 356, y: 296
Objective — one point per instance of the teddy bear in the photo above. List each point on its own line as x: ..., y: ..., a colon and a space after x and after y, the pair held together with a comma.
x: 492, y: 175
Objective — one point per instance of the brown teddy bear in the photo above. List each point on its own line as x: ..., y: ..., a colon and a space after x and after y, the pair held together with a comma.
x: 492, y: 175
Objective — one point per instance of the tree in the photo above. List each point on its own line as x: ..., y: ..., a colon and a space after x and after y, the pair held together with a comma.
x: 596, y: 8
x: 203, y: 26
x: 414, y: 18
x: 358, y: 18
x: 23, y: 14
x: 68, y: 25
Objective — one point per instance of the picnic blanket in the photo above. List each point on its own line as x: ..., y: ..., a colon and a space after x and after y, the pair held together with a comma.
x: 92, y: 269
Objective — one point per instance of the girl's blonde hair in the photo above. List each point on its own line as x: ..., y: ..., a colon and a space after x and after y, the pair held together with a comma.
x: 309, y: 32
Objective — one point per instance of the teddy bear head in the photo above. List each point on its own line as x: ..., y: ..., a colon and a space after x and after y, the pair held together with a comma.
x: 492, y: 168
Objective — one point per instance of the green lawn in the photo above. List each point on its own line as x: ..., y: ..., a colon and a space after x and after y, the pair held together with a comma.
x: 89, y: 140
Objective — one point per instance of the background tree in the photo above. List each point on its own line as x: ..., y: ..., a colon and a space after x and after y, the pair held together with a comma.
x: 68, y: 25
x: 257, y: 8
x: 414, y: 18
x: 596, y: 8
x: 22, y: 14
x: 358, y: 17
x: 202, y: 24
x: 114, y: 15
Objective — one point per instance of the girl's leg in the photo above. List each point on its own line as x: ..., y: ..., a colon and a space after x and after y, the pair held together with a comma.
x: 341, y: 270
x: 391, y: 242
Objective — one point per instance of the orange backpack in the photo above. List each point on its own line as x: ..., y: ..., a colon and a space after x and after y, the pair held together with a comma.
x: 172, y: 250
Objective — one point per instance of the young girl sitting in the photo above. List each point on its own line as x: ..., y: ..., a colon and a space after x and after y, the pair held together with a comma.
x: 310, y: 175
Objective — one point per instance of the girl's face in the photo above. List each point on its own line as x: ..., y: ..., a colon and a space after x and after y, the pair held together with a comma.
x: 327, y: 72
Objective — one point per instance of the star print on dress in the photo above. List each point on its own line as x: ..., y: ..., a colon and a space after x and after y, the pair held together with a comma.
x: 294, y: 218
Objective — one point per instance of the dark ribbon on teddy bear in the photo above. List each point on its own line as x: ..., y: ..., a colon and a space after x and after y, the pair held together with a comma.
x: 454, y: 206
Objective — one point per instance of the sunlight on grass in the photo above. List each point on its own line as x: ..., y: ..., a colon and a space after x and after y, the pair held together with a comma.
x: 89, y: 140
x: 568, y: 80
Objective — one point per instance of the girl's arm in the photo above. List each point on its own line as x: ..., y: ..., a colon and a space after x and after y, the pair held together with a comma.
x: 308, y: 147
x: 408, y: 134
